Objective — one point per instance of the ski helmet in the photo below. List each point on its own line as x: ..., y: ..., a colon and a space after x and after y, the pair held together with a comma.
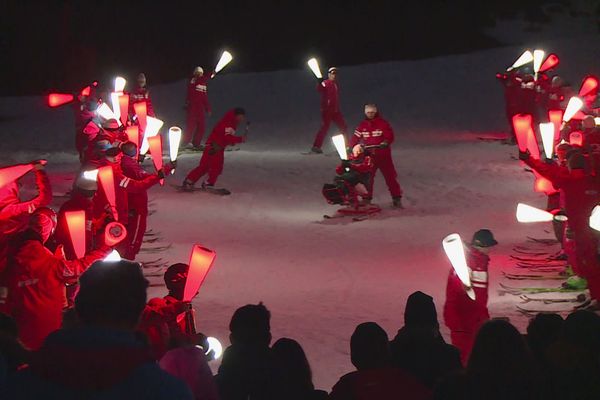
x: 332, y: 70
x: 484, y: 238
x: 199, y: 71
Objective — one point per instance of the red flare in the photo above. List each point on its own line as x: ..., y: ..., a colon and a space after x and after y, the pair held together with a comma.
x: 589, y: 86
x: 124, y: 107
x: 155, y: 143
x: 133, y: 133
x: 141, y: 112
x: 86, y: 91
x: 76, y: 225
x: 107, y: 180
x: 522, y: 126
x: 532, y: 144
x: 551, y: 61
x: 555, y: 116
x: 114, y: 233
x: 201, y: 262
x: 14, y: 172
x: 59, y: 99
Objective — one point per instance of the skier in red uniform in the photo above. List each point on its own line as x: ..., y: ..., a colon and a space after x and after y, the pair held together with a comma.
x: 197, y: 107
x: 36, y: 280
x: 462, y: 315
x: 141, y: 94
x: 223, y: 135
x: 330, y: 108
x: 353, y: 178
x: 581, y: 194
x: 376, y: 133
x: 13, y: 211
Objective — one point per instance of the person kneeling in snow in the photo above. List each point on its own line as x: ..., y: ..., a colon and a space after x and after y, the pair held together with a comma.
x: 353, y: 178
x: 463, y: 315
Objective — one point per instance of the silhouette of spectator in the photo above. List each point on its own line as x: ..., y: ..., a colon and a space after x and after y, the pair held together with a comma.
x: 419, y: 348
x: 291, y: 372
x: 102, y: 358
x: 543, y: 331
x: 189, y: 364
x: 375, y: 378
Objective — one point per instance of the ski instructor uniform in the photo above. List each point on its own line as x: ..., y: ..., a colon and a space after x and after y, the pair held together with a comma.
x: 213, y: 157
x: 330, y: 108
x: 376, y: 132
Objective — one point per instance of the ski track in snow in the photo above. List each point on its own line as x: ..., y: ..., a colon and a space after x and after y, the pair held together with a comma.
x: 321, y: 280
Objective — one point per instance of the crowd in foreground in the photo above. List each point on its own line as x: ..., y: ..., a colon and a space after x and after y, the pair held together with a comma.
x: 101, y: 352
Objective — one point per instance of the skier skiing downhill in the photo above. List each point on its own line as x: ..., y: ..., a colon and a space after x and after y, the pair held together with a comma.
x: 330, y: 108
x: 462, y: 315
x: 213, y: 157
x: 13, y: 211
x: 141, y: 94
x: 197, y: 107
x: 376, y: 133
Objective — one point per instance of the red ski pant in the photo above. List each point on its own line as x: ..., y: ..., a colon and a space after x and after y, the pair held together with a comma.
x: 136, y: 228
x: 209, y: 163
x: 195, y: 126
x: 382, y: 161
x: 464, y: 341
x: 327, y: 118
x: 586, y: 255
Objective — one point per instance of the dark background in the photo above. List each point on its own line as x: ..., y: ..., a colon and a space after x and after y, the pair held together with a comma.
x: 63, y: 45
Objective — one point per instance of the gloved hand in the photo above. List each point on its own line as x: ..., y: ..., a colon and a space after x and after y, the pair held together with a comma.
x: 346, y: 163
x: 384, y: 145
x: 39, y: 164
x: 173, y: 164
x: 161, y: 173
x: 320, y: 80
x: 524, y: 155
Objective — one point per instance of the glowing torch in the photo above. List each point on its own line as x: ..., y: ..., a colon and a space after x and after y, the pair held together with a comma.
x: 555, y: 116
x: 339, y: 141
x: 141, y: 112
x: 133, y: 134
x: 547, y: 134
x: 113, y: 256
x: 114, y: 233
x: 114, y: 100
x: 522, y: 126
x: 525, y: 58
x: 76, y: 226
x: 155, y: 146
x: 589, y: 85
x: 59, y: 99
x: 225, y: 59
x: 174, y: 141
x: 120, y: 84
x: 551, y: 61
x: 201, y: 261
x: 313, y: 64
x: 152, y: 128
x: 595, y: 218
x: 107, y: 181
x: 124, y: 107
x: 105, y: 112
x: 575, y: 104
x: 453, y: 246
x: 538, y: 58
x: 528, y: 214
x: 14, y: 172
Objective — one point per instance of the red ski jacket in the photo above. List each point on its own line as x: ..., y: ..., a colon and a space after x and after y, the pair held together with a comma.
x: 13, y: 211
x: 36, y: 286
x: 139, y: 95
x: 330, y: 102
x: 581, y: 190
x: 197, y: 96
x: 460, y: 312
x: 137, y: 200
x: 362, y: 164
x: 223, y: 134
x: 373, y: 132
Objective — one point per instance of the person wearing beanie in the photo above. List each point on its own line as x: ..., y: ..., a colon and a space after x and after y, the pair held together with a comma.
x: 330, y: 108
x: 581, y: 190
x: 419, y: 347
x: 375, y: 376
x: 141, y: 94
x: 36, y: 279
x: 213, y: 157
x: 101, y: 357
x: 197, y: 107
x: 462, y: 314
x: 377, y: 136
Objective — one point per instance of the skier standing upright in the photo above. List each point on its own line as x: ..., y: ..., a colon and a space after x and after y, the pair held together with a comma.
x: 376, y: 134
x: 141, y: 94
x: 330, y: 108
x: 197, y: 107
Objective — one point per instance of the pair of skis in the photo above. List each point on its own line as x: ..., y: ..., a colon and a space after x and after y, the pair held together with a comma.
x: 215, y: 191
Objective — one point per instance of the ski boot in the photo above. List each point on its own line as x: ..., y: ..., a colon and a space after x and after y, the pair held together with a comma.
x: 316, y: 150
x: 207, y: 186
x: 575, y: 282
x: 397, y: 202
x: 187, y: 186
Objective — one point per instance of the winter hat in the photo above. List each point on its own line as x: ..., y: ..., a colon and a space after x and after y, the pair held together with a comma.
x: 198, y: 71
x: 484, y: 238
x: 575, y: 160
x: 111, y: 124
x: 370, y: 107
x: 332, y: 69
x: 129, y: 149
x: 420, y: 310
x: 176, y: 276
x: 369, y: 346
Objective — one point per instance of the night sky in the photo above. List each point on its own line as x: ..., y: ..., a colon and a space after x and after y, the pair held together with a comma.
x: 65, y: 44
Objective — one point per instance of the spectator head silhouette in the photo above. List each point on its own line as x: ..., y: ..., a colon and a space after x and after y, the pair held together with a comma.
x: 369, y: 347
x: 420, y: 312
x: 251, y: 326
x: 542, y: 331
x: 582, y: 328
x: 292, y: 365
x: 175, y: 278
x: 111, y: 294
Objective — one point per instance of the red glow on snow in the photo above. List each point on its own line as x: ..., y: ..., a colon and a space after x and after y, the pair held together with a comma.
x: 576, y: 139
x: 107, y: 180
x: 201, y: 262
x: 589, y: 86
x: 141, y: 112
x: 551, y: 61
x: 522, y: 126
x: 76, y: 226
x: 14, y: 172
x: 133, y: 133
x: 114, y: 233
x: 124, y: 107
x: 155, y: 144
x: 58, y: 99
